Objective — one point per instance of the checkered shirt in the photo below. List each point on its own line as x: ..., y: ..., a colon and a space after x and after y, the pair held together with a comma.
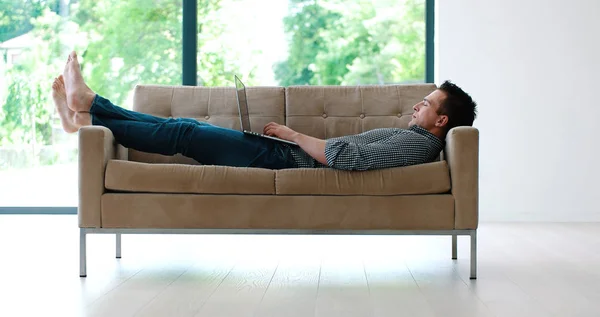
x: 375, y: 149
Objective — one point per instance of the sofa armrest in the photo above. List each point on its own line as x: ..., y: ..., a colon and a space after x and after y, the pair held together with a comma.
x: 462, y: 155
x: 97, y: 146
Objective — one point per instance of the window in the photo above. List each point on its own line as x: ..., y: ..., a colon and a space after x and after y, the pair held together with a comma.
x: 124, y: 43
x: 120, y: 44
x: 308, y: 42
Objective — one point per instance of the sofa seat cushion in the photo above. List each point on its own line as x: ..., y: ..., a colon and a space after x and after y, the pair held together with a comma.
x: 126, y: 176
x: 429, y: 178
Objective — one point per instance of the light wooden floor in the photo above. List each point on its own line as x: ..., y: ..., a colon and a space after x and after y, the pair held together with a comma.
x: 524, y: 270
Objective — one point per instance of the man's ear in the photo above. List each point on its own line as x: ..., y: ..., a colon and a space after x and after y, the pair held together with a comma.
x: 442, y: 121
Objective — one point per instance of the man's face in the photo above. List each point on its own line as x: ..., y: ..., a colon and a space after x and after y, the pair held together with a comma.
x: 426, y: 112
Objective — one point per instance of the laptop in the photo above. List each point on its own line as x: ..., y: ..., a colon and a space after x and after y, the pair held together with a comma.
x: 242, y: 101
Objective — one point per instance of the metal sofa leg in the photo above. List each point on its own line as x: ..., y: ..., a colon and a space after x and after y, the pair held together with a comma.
x: 118, y: 245
x: 473, y: 254
x: 82, y: 253
x: 454, y: 247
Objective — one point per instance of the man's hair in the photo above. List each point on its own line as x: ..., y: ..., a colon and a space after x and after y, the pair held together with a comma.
x: 460, y: 108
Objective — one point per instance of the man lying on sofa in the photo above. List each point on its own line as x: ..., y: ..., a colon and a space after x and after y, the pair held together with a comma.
x: 447, y: 107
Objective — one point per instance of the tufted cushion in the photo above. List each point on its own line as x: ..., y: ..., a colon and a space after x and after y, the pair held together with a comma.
x: 216, y: 105
x: 332, y: 111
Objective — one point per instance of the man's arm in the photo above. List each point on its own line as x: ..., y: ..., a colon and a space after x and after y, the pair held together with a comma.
x: 313, y: 146
x: 344, y: 155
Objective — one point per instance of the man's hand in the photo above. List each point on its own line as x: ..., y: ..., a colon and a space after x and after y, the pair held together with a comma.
x: 313, y: 146
x: 280, y: 131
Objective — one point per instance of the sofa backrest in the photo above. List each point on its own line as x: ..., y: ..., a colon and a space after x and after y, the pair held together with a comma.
x: 319, y: 111
x: 332, y: 111
x: 216, y: 105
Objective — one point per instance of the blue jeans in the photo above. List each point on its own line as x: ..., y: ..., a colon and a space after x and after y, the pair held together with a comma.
x: 206, y: 143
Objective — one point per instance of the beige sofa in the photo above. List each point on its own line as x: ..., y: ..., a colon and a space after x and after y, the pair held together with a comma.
x: 124, y: 191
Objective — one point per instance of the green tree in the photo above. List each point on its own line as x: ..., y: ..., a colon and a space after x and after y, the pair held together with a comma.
x: 139, y: 42
x: 358, y: 42
x: 121, y: 44
x: 16, y: 15
x: 305, y: 27
x: 129, y: 42
x: 392, y: 45
x: 27, y: 111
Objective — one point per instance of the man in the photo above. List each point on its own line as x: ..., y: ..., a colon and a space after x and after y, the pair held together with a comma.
x: 445, y: 108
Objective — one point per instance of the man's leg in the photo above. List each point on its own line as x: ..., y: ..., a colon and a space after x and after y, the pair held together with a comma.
x: 106, y: 109
x: 80, y: 97
x: 206, y: 143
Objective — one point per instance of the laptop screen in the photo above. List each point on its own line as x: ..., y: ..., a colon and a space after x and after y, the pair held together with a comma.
x: 242, y: 104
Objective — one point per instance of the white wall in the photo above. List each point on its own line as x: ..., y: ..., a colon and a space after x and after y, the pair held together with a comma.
x: 532, y: 66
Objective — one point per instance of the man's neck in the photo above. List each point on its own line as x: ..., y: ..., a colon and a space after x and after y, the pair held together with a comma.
x: 441, y: 134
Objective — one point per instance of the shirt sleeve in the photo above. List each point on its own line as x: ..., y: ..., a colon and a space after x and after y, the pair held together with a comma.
x: 346, y: 155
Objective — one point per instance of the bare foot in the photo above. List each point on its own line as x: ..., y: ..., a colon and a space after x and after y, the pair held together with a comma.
x: 60, y: 101
x: 79, y: 95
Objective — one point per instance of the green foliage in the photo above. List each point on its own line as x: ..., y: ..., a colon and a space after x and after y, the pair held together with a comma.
x: 139, y: 42
x: 22, y: 122
x: 307, y: 27
x: 16, y: 15
x: 354, y: 42
x: 120, y: 44
x: 28, y: 108
x: 129, y: 42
